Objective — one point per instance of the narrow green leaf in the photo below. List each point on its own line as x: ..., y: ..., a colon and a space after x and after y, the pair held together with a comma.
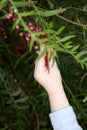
x: 42, y: 54
x: 80, y: 54
x: 30, y: 13
x: 85, y: 99
x: 51, y: 24
x: 23, y: 107
x: 82, y: 65
x: 67, y: 44
x: 51, y: 13
x: 18, y: 61
x: 64, y: 39
x: 22, y: 99
x: 23, y: 4
x: 17, y: 22
x: 31, y: 43
x: 51, y: 46
x: 69, y: 47
x: 2, y: 3
x: 50, y: 4
x: 74, y: 48
x: 84, y: 60
x: 59, y: 31
x: 60, y: 49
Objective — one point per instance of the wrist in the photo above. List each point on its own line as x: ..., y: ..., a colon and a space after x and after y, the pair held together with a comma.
x: 55, y: 88
x: 58, y: 100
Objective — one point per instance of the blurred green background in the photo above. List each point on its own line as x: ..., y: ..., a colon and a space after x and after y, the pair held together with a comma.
x: 24, y: 103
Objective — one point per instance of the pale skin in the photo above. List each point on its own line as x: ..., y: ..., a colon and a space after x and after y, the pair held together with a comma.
x: 52, y: 83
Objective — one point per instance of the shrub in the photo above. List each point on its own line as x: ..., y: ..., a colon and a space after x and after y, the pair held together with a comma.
x: 24, y: 27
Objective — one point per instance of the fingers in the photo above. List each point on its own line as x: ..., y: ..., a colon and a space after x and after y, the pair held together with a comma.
x: 46, y: 57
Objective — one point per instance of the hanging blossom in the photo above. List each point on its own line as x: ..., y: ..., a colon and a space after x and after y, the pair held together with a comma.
x: 27, y: 36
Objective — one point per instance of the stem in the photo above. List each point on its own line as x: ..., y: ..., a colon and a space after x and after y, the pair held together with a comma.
x: 70, y: 21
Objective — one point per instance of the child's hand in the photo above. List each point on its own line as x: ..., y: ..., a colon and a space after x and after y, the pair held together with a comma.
x: 51, y: 80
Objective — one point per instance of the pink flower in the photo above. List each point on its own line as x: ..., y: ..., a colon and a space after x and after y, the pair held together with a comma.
x: 14, y: 19
x: 5, y: 37
x: 28, y: 35
x: 10, y: 15
x: 30, y: 24
x: 36, y: 47
x: 27, y: 38
x: 42, y: 36
x: 32, y: 28
x: 17, y: 27
x: 38, y: 29
x: 21, y: 34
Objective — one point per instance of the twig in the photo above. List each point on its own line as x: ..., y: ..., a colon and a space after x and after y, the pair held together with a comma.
x: 73, y: 22
x: 83, y: 77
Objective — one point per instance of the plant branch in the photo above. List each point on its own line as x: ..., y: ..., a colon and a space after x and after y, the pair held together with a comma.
x: 70, y: 21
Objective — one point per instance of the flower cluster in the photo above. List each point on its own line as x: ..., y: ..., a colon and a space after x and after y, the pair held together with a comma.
x: 23, y: 35
x: 11, y: 16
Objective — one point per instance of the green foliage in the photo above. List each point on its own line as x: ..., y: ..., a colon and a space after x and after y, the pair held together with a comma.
x: 24, y: 104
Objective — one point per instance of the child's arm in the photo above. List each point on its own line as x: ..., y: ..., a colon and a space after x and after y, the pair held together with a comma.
x: 52, y: 83
x: 62, y: 116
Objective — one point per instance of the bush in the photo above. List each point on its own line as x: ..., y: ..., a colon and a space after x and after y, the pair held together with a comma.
x: 24, y: 27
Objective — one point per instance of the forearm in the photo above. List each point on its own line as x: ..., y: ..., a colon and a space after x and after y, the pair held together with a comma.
x: 62, y: 116
x: 58, y: 99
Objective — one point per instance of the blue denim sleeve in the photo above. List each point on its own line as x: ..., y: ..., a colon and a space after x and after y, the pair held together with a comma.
x: 64, y: 119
